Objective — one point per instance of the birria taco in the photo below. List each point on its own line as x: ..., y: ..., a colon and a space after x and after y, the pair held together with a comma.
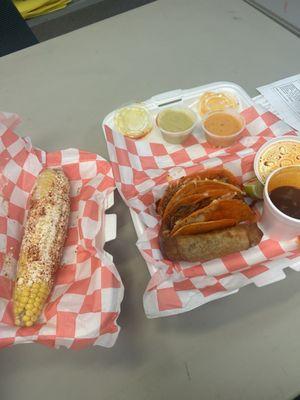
x: 204, y: 216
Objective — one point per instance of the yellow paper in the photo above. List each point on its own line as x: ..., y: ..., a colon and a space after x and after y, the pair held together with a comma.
x: 33, y: 8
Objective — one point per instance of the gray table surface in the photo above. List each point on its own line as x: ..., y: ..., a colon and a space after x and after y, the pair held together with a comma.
x: 245, y: 346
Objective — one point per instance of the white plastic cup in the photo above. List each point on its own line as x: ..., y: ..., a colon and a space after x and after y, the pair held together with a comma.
x: 274, y: 222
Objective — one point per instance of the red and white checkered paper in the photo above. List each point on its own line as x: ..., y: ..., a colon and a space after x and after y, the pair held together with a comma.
x: 142, y: 171
x: 85, y: 301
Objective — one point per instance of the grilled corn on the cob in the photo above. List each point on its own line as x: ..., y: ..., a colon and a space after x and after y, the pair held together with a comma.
x: 42, y: 245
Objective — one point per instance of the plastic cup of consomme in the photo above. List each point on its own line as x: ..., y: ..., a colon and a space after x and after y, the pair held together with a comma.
x: 176, y: 123
x: 281, y: 213
x: 224, y: 127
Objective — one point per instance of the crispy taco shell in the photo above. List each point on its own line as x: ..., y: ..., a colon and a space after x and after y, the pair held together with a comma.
x: 219, y: 173
x: 186, y: 205
x: 218, y: 210
x: 202, y: 227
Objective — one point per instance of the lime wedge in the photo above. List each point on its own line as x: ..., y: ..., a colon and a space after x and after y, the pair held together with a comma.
x: 254, y: 189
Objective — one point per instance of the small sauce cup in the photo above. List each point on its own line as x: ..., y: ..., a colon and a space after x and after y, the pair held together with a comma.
x: 224, y: 127
x: 276, y: 224
x: 168, y: 121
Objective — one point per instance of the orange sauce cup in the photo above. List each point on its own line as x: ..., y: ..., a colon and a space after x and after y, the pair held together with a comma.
x: 223, y: 128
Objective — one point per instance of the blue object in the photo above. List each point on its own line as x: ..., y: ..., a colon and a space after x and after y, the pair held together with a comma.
x: 14, y: 31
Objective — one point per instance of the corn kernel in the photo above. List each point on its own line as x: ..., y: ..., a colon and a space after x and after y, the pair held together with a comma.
x: 29, y: 306
x: 29, y: 313
x: 28, y: 323
x: 26, y: 318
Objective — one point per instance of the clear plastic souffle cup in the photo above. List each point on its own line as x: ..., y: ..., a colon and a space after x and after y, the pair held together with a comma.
x: 177, y: 137
x: 227, y: 139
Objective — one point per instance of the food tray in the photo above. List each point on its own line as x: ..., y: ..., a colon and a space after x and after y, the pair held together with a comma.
x: 84, y: 304
x: 140, y: 168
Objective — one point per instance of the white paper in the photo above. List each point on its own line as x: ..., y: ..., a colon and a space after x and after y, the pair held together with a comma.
x: 283, y: 98
x: 260, y: 100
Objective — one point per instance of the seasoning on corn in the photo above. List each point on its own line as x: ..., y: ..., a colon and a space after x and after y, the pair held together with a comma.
x: 42, y: 245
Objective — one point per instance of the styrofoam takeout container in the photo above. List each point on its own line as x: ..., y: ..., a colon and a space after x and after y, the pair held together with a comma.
x: 190, y: 98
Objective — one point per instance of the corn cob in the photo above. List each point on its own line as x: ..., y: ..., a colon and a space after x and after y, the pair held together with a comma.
x: 42, y: 245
